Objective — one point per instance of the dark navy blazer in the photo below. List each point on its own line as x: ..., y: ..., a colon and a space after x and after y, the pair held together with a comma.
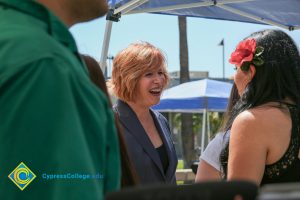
x: 141, y: 151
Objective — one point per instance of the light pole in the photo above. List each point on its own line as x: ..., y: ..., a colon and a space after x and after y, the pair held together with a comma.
x: 222, y: 43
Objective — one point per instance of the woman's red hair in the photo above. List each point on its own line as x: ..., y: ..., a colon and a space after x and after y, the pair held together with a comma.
x: 131, y: 64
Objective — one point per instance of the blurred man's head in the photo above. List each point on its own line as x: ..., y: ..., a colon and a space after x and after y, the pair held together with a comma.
x: 76, y: 11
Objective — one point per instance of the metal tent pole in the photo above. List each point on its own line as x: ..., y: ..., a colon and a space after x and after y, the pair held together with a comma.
x: 187, y: 5
x: 105, y: 45
x: 114, y: 15
x: 256, y: 18
x: 203, y: 130
x: 208, y: 127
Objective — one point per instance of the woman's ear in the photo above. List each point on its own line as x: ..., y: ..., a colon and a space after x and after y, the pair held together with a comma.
x: 252, y: 71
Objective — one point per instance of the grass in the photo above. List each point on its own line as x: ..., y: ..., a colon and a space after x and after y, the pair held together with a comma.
x: 180, y: 165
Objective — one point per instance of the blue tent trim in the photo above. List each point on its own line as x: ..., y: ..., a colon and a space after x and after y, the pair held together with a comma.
x: 192, y: 104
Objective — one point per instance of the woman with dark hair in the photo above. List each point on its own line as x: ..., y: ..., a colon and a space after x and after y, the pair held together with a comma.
x: 209, y: 167
x: 138, y: 78
x: 264, y: 123
x: 128, y: 177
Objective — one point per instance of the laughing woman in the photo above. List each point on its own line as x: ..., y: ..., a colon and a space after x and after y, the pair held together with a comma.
x: 138, y: 79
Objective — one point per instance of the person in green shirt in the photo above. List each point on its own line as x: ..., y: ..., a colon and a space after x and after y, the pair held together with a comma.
x: 57, y: 133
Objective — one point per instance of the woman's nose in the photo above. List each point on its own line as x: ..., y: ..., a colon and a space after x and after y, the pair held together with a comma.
x: 157, y: 78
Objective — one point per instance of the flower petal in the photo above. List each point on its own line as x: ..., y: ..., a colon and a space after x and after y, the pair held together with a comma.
x: 244, y: 52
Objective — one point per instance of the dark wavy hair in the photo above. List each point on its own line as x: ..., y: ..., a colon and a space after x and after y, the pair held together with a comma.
x: 278, y: 78
x: 274, y: 81
x: 233, y: 98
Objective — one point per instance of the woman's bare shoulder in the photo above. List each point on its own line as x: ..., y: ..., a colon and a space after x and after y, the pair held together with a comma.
x: 262, y: 113
x: 261, y: 121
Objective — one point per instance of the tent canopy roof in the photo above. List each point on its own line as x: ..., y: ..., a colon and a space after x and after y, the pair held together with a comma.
x: 282, y: 13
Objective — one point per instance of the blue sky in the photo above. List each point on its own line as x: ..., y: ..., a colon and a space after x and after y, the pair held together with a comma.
x: 204, y: 35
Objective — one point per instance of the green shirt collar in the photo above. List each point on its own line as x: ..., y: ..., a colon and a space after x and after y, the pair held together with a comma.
x: 55, y: 27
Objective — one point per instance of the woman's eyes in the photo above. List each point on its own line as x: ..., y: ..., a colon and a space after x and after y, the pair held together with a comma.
x: 235, y: 68
x: 151, y: 73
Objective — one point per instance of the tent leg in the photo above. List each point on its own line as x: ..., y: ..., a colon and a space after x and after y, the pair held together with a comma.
x: 208, y: 127
x: 114, y: 16
x: 203, y: 130
x: 170, y: 121
x: 105, y: 45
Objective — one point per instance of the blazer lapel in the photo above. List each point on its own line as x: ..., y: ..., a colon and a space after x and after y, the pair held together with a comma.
x: 165, y: 135
x: 130, y: 121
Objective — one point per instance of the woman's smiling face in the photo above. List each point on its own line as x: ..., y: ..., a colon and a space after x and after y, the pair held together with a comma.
x: 150, y: 87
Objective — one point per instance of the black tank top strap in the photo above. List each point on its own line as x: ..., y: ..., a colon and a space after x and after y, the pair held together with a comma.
x: 283, y: 169
x: 286, y: 169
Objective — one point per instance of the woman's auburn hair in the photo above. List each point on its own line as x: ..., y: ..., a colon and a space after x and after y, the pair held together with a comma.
x: 131, y: 63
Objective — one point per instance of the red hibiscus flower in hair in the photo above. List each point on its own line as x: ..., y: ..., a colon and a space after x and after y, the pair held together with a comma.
x: 244, y: 52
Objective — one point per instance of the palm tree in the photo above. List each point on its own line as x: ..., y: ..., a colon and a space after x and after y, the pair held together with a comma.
x: 186, y: 118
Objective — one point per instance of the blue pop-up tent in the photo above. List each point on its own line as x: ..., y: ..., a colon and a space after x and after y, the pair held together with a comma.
x: 280, y: 13
x: 195, y: 97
